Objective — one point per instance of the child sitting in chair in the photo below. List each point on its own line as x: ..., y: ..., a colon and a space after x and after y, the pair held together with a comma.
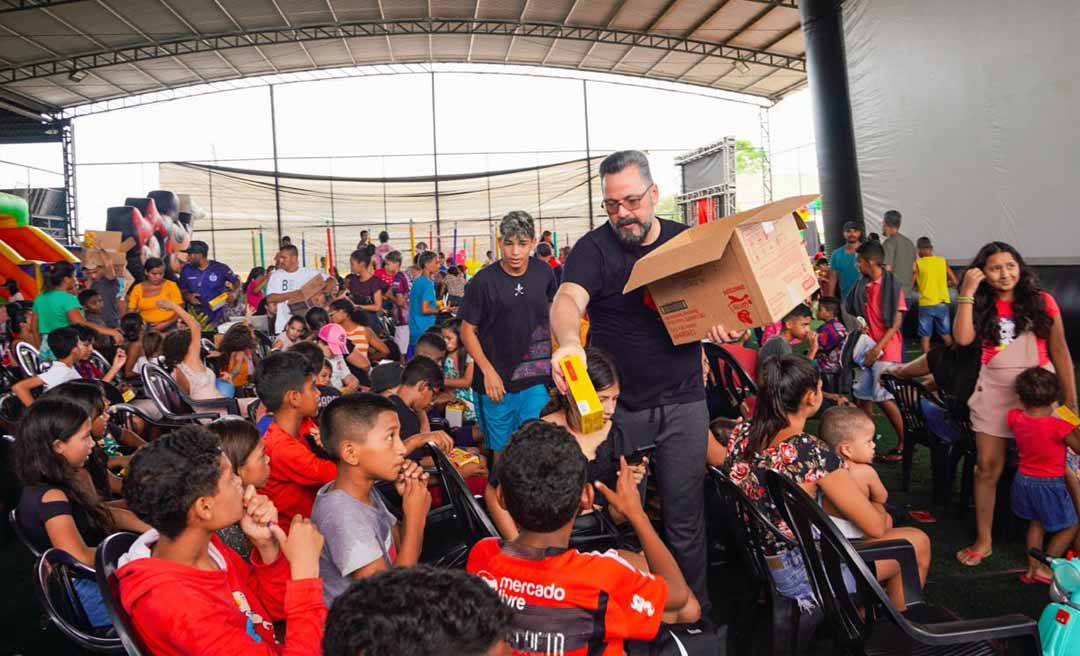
x: 850, y: 434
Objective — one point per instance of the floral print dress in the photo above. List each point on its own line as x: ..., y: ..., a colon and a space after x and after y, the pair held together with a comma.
x: 802, y: 458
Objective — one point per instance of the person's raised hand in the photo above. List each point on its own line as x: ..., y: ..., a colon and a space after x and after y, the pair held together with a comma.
x: 973, y: 277
x: 259, y: 514
x: 119, y: 359
x: 301, y: 547
x: 166, y: 304
x: 718, y: 334
x: 626, y: 499
x: 409, y: 470
x: 442, y: 441
x: 415, y: 500
x: 560, y: 353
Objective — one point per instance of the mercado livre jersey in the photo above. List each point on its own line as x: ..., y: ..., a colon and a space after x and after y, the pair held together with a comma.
x: 568, y: 603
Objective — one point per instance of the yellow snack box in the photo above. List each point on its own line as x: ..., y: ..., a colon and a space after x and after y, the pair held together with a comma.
x: 586, y: 414
x: 461, y: 457
x: 218, y: 300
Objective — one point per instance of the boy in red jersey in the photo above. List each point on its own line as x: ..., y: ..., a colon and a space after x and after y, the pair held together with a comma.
x: 285, y: 383
x: 565, y: 601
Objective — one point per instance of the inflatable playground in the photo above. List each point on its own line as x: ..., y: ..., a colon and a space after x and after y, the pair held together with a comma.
x: 160, y: 225
x: 25, y: 248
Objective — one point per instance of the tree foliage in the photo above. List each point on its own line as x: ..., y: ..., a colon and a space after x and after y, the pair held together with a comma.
x: 748, y: 157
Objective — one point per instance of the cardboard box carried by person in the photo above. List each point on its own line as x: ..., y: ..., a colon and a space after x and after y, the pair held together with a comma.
x: 113, y: 244
x: 744, y: 270
x: 312, y: 292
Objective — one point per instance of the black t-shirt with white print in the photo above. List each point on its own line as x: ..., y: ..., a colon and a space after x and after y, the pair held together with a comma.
x: 511, y: 318
x: 652, y: 370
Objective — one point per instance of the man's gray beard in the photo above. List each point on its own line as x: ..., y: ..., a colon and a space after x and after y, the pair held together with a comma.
x: 629, y: 238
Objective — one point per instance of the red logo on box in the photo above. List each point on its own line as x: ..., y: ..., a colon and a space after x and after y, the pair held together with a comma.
x: 740, y: 305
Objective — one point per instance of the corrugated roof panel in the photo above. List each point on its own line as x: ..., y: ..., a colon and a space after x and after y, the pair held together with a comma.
x: 370, y: 50
x: 489, y: 48
x: 405, y: 9
x: 453, y: 8
x: 251, y: 14
x: 355, y: 10
x: 567, y: 53
x: 501, y: 9
x: 775, y: 23
x: 287, y: 56
x: 550, y: 11
x: 452, y: 46
x: 410, y: 48
x: 306, y: 12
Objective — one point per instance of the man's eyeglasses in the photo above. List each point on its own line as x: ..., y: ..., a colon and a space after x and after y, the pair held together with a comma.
x: 631, y: 203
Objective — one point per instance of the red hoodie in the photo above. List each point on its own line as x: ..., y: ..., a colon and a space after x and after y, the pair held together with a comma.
x: 179, y: 610
x: 296, y: 473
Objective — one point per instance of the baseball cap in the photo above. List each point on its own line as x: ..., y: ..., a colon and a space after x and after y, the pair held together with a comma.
x: 334, y: 336
x: 197, y: 247
x: 848, y: 225
x: 385, y: 376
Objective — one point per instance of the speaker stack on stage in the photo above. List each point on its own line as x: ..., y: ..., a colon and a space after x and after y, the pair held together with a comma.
x: 708, y: 182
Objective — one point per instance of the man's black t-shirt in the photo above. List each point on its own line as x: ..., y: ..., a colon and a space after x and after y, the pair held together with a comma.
x: 410, y: 423
x: 653, y: 371
x: 511, y: 318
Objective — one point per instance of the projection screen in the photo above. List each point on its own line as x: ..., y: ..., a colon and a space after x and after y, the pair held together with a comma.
x: 966, y: 117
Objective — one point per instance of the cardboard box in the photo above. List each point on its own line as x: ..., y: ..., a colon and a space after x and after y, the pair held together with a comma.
x: 744, y: 270
x: 312, y: 291
x: 586, y: 414
x: 112, y: 242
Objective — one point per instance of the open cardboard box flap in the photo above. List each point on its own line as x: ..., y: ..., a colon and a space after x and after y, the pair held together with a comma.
x: 705, y: 243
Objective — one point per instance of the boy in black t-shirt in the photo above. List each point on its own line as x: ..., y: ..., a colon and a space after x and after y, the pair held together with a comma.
x: 421, y: 381
x: 505, y: 330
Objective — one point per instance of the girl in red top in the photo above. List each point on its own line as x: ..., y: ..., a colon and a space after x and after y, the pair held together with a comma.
x: 1038, y: 491
x: 1018, y: 327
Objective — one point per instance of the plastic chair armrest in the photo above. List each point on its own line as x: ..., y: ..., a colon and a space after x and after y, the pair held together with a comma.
x: 988, y: 628
x: 194, y: 416
x: 903, y: 553
x: 230, y: 405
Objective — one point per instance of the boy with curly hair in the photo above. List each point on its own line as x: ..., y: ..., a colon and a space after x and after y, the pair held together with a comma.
x: 184, y: 589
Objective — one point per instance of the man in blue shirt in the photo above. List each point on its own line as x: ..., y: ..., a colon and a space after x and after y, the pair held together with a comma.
x: 423, y: 308
x: 202, y: 280
x: 842, y: 268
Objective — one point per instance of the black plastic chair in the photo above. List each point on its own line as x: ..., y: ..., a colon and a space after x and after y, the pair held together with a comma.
x: 475, y: 523
x: 961, y: 453
x: 869, y: 623
x: 13, y: 520
x: 124, y: 414
x: 11, y: 408
x: 747, y: 528
x: 29, y: 359
x: 106, y: 562
x: 176, y: 407
x: 56, y: 573
x: 908, y: 394
x: 734, y: 385
x: 100, y: 361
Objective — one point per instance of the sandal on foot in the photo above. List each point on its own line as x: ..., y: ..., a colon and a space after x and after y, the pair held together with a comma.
x: 971, y: 558
x: 1029, y: 580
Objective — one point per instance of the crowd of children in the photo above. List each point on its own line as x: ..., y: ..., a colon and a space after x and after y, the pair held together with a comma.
x: 308, y: 500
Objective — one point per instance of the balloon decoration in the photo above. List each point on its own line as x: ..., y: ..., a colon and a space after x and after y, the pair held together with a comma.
x: 472, y: 266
